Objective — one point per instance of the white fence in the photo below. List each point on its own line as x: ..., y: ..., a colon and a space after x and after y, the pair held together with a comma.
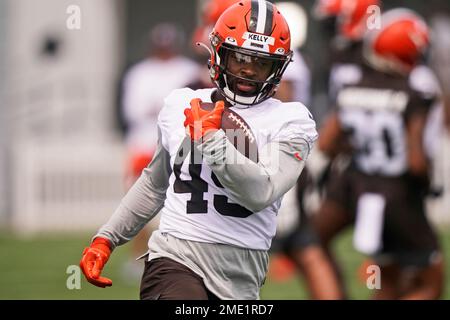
x: 65, y: 186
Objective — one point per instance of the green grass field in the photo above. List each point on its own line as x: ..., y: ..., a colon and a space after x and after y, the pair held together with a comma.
x: 36, y: 269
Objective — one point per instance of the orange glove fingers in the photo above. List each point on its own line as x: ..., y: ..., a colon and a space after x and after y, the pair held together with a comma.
x: 100, y: 282
x: 195, y: 103
x: 201, y: 121
x: 91, y: 265
x: 213, y: 120
x: 218, y: 108
x: 189, y: 117
x: 196, y: 109
x: 87, y: 262
x: 98, y: 267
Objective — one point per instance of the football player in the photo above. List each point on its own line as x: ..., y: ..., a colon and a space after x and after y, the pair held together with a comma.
x: 380, y: 122
x: 348, y: 21
x: 218, y: 208
x: 288, y: 251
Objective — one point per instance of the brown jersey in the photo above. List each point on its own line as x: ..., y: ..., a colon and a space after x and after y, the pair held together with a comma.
x: 374, y: 112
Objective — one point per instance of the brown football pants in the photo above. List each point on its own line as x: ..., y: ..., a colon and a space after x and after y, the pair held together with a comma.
x: 165, y: 279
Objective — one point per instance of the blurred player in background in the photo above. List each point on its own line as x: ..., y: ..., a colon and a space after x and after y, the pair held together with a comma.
x: 145, y: 85
x: 348, y: 20
x: 218, y: 217
x: 344, y: 23
x: 380, y: 122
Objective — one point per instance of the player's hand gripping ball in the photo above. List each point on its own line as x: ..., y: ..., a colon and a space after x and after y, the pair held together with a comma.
x: 200, y: 122
x: 206, y: 117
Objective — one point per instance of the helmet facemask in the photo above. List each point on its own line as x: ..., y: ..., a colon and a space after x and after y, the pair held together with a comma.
x: 230, y: 84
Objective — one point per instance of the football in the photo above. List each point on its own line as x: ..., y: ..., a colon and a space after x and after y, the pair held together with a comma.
x: 237, y: 131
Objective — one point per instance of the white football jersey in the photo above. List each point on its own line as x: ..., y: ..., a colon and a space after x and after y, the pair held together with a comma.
x: 200, y: 209
x: 424, y: 80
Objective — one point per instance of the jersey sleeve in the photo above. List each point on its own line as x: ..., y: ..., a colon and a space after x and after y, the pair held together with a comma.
x: 141, y: 203
x: 425, y: 89
x: 301, y: 127
x: 423, y: 80
x: 418, y: 104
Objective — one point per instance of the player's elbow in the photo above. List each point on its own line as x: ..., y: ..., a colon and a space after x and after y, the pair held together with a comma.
x: 256, y: 206
x: 259, y: 201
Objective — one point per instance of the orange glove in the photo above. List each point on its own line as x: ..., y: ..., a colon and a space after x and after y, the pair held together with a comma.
x: 200, y: 121
x: 93, y: 260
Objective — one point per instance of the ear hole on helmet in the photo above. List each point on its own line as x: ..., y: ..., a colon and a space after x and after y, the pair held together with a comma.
x: 231, y: 27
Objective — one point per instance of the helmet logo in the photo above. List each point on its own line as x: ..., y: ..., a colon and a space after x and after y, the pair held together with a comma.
x: 230, y: 40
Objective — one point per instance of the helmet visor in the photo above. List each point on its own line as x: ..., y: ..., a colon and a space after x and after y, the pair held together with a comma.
x: 248, y: 72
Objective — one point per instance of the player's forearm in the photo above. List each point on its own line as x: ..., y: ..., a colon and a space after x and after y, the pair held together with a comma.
x: 417, y: 160
x: 329, y: 141
x: 142, y: 202
x: 127, y: 221
x: 256, y: 185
